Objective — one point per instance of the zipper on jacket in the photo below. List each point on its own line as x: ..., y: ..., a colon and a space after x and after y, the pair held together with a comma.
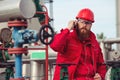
x: 85, y: 60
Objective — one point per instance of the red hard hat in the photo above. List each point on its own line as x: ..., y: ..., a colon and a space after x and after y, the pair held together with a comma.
x: 86, y: 14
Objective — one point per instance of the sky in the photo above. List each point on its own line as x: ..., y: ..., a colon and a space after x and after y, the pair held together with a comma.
x: 104, y: 11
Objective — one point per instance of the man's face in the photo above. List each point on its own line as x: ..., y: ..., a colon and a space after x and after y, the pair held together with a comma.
x: 84, y: 28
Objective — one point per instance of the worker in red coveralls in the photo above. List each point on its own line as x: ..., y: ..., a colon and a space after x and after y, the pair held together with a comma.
x: 77, y: 44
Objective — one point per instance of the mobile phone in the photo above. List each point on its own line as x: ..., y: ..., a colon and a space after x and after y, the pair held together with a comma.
x: 75, y: 25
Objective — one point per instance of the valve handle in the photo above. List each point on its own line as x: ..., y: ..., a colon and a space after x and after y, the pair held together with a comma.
x: 46, y: 33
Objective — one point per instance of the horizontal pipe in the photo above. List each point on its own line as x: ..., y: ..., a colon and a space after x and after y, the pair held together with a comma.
x: 111, y: 41
x: 12, y: 9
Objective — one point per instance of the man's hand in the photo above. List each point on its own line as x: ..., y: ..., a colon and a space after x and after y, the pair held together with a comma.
x: 97, y: 77
x: 71, y: 24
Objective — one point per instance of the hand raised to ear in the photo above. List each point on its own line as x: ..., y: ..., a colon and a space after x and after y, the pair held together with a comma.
x: 71, y: 24
x: 97, y: 77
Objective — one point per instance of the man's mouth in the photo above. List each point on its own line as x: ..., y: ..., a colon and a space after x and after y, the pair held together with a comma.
x: 83, y: 30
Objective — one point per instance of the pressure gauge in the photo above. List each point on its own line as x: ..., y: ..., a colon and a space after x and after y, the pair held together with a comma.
x: 116, y: 55
x: 5, y: 35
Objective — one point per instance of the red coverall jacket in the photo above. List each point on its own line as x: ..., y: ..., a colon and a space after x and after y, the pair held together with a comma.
x: 70, y: 50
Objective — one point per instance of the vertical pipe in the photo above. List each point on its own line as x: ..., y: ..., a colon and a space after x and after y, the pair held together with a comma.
x: 18, y: 57
x: 46, y: 49
x: 118, y: 21
x: 103, y: 49
x: 18, y: 66
x: 36, y: 71
x: 46, y: 63
x: 51, y: 12
x: 26, y: 70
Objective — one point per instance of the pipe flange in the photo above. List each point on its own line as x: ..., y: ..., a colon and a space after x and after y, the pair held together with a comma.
x: 17, y: 23
x: 17, y: 50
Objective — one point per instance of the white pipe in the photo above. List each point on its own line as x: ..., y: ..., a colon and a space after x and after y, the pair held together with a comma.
x: 36, y: 71
x: 103, y: 49
x: 118, y: 21
x: 26, y: 70
x: 11, y: 9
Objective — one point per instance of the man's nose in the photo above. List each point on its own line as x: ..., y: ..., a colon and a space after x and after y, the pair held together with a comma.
x: 84, y: 25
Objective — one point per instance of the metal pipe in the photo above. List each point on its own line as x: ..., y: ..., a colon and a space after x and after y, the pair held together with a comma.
x: 37, y: 71
x: 12, y: 9
x: 51, y: 13
x: 112, y: 40
x: 18, y: 66
x: 118, y: 21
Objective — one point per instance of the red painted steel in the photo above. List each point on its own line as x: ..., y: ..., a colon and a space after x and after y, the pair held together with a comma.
x: 17, y: 50
x: 17, y: 23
